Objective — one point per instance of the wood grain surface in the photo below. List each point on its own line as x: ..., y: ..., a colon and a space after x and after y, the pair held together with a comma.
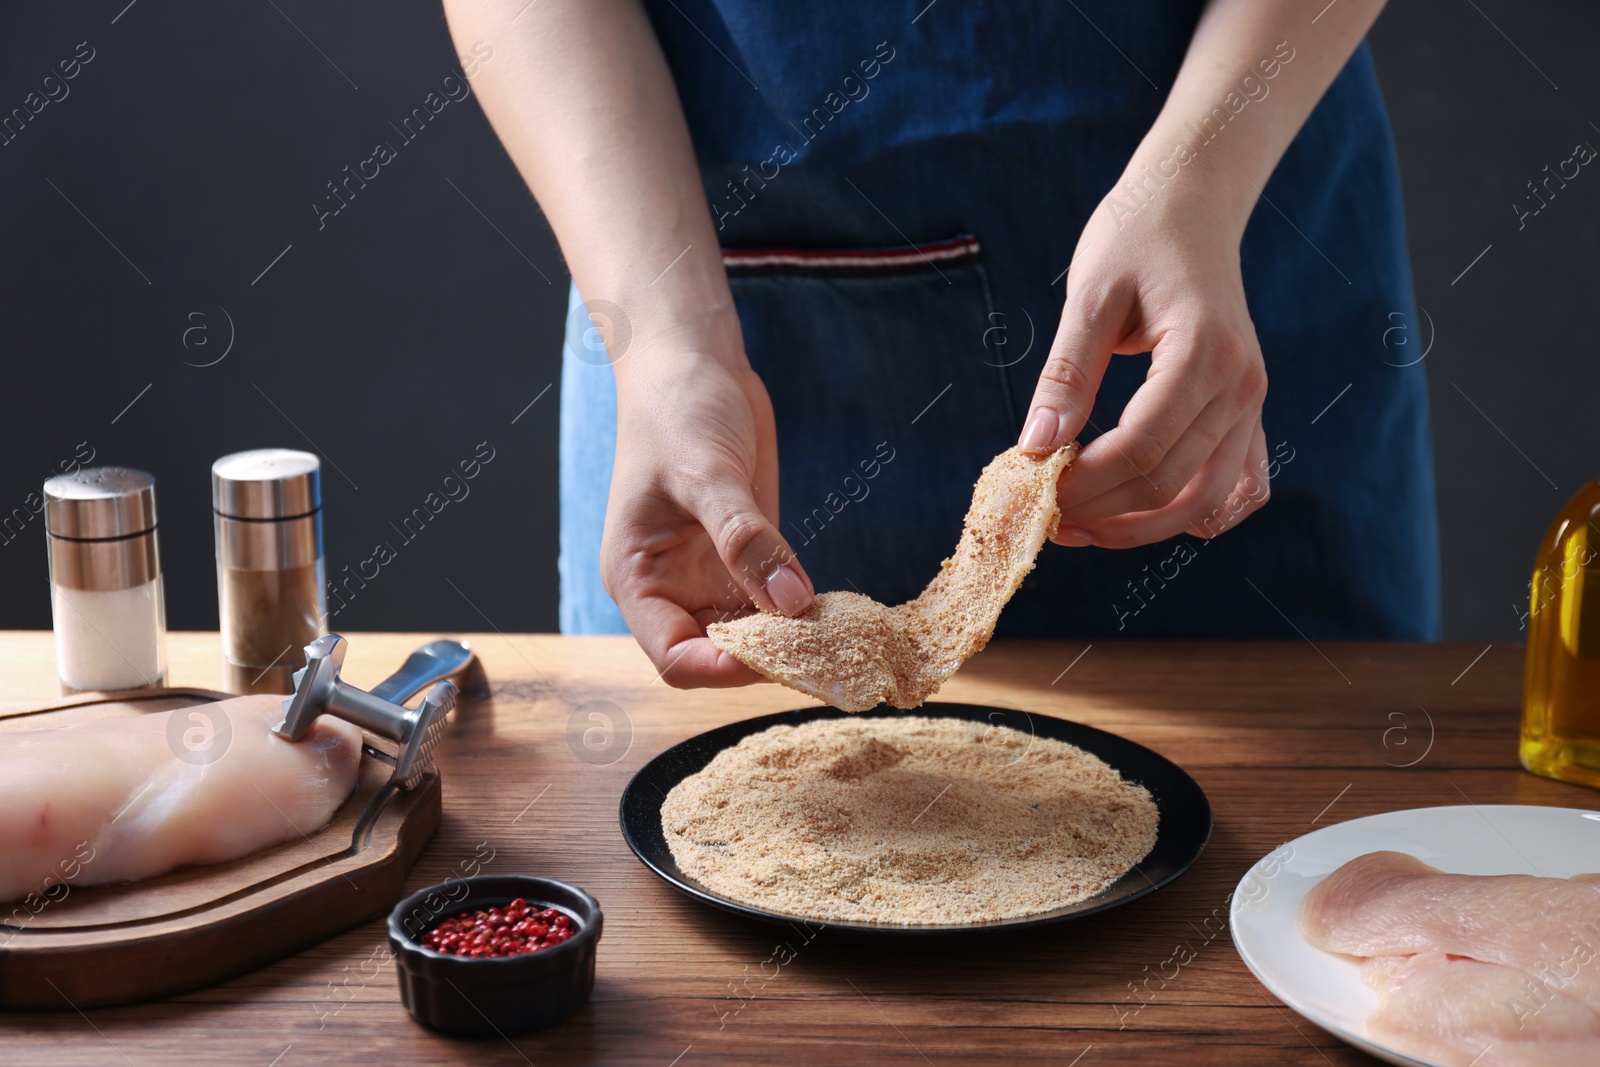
x: 1284, y: 738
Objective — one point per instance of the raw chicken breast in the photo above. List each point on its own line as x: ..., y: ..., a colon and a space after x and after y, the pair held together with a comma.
x: 116, y: 800
x: 1392, y: 904
x: 1460, y: 1011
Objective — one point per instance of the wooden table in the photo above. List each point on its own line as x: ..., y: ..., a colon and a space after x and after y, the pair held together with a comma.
x: 1283, y: 737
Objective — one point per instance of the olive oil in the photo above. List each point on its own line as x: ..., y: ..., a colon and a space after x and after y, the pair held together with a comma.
x: 1561, y: 690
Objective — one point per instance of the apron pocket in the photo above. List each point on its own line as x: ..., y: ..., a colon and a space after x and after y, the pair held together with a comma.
x: 890, y: 395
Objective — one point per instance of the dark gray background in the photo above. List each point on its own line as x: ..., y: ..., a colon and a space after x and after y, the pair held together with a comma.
x: 426, y: 316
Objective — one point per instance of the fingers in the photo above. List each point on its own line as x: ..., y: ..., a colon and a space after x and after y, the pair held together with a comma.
x: 677, y: 645
x: 1209, y: 505
x: 757, y: 557
x: 1212, y: 377
x: 1143, y: 490
x: 1091, y: 326
x: 669, y: 633
x: 706, y: 616
x: 1251, y: 491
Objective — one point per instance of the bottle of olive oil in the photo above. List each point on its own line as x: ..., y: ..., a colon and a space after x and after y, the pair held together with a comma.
x: 1561, y: 691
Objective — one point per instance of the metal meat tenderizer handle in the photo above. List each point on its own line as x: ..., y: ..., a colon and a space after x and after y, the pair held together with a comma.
x: 318, y: 690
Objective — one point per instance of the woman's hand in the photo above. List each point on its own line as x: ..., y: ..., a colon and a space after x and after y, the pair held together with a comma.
x: 584, y: 102
x: 690, y: 535
x: 1157, y: 270
x: 1188, y: 453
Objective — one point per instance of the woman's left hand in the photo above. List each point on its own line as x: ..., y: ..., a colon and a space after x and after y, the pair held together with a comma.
x: 1188, y: 453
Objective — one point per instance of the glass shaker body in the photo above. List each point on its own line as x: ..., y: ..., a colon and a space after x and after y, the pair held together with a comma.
x: 1561, y: 688
x: 107, y: 603
x: 271, y: 590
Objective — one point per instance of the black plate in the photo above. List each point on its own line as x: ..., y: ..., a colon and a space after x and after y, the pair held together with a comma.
x: 1184, y: 829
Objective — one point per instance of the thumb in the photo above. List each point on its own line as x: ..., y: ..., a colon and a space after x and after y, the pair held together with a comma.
x: 759, y: 560
x: 1071, y: 376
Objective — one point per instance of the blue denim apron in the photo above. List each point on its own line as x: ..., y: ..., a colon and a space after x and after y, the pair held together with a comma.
x: 898, y: 189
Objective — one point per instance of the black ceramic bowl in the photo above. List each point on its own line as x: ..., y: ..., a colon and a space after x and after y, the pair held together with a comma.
x: 489, y: 996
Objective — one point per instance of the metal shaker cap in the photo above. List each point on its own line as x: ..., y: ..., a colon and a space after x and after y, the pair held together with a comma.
x: 266, y: 483
x: 96, y: 503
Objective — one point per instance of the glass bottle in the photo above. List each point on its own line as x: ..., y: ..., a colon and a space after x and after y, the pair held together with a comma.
x: 1561, y: 689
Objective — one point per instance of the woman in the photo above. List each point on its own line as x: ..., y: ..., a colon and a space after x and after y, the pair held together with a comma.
x: 847, y: 228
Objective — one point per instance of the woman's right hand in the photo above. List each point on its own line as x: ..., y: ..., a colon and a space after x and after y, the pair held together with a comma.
x: 690, y: 535
x: 584, y: 102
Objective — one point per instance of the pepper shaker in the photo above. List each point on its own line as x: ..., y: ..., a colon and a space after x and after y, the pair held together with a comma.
x: 267, y: 506
x: 107, y: 599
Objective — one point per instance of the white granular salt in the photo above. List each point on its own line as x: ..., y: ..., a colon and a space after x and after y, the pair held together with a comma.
x: 109, y: 639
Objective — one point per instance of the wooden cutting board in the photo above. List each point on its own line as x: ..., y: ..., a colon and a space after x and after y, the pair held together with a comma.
x: 116, y: 944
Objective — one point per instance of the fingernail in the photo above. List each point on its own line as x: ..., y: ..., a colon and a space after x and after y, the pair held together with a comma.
x: 1074, y: 537
x: 1040, y: 432
x: 788, y: 590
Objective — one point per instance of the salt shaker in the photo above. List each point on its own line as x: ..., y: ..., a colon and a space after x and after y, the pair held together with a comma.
x: 267, y: 506
x: 107, y: 601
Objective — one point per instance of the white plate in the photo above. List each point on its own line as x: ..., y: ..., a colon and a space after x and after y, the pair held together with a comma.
x: 1465, y: 839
